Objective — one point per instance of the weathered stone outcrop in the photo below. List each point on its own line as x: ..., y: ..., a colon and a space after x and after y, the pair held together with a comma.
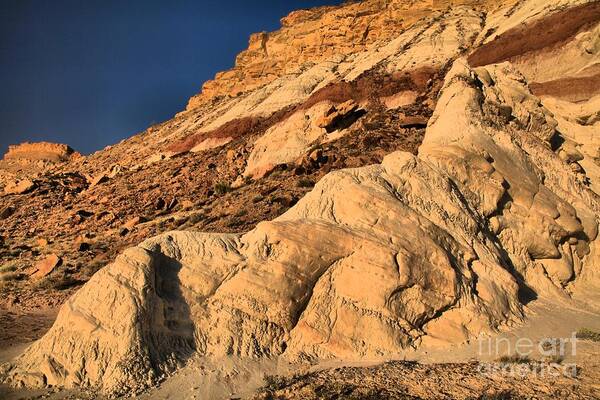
x: 499, y: 207
x: 312, y: 36
x: 436, y: 247
x: 19, y: 186
x: 41, y: 151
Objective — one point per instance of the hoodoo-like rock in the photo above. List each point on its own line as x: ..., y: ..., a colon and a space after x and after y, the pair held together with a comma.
x: 436, y: 247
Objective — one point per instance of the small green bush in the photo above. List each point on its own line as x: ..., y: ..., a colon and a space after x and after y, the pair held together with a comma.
x: 9, y: 276
x: 241, y: 213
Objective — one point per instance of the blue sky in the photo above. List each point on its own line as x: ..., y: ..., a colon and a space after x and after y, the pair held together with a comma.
x: 90, y: 73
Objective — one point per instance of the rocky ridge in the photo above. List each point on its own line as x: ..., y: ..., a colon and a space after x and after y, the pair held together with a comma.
x: 497, y: 208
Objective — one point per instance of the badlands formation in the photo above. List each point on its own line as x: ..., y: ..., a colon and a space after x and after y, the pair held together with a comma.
x: 454, y: 151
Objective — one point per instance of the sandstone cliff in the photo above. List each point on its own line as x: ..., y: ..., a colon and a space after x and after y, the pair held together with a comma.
x: 466, y: 188
x: 45, y: 151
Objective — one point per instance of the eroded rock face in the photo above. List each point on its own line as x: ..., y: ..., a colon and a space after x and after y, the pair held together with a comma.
x: 499, y: 207
x: 431, y: 248
x: 312, y: 36
x: 41, y: 151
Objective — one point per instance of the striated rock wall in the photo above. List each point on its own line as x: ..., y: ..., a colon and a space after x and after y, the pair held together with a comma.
x: 311, y: 36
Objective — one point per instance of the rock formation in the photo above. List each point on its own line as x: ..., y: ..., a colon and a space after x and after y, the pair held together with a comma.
x: 498, y: 208
x: 44, y: 151
x: 311, y: 36
x: 25, y: 161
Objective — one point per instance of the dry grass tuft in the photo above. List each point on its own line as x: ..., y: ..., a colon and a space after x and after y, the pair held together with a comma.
x: 588, y: 334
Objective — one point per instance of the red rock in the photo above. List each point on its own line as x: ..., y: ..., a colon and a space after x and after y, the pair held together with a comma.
x: 46, y: 266
x: 413, y: 122
x: 98, y: 180
x: 133, y: 222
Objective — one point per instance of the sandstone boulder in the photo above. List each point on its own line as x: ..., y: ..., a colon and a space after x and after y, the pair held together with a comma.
x: 340, y: 116
x: 410, y: 121
x: 19, y: 187
x: 46, y: 266
x: 98, y: 179
x: 401, y: 99
x: 130, y: 224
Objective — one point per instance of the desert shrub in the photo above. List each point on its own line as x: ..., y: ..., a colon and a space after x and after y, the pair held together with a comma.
x: 514, y: 359
x: 554, y: 359
x: 222, y: 188
x: 56, y: 282
x: 588, y: 334
x: 501, y: 395
x: 8, y: 272
x: 9, y: 276
x: 10, y: 267
x: 305, y: 183
x: 195, y: 218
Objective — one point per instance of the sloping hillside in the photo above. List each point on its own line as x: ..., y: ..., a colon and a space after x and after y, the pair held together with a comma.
x: 418, y: 184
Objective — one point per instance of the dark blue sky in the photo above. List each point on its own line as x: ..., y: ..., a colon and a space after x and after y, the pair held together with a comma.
x: 92, y: 72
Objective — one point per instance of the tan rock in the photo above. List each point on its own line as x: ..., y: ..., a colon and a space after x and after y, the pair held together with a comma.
x: 401, y: 99
x: 19, y: 187
x: 231, y: 155
x: 43, y: 151
x: 286, y: 141
x: 416, y: 121
x: 133, y: 222
x: 210, y: 143
x: 99, y: 179
x: 319, y: 34
x: 187, y: 204
x: 46, y: 266
x: 332, y: 118
x: 238, y: 182
x: 569, y: 153
x: 316, y: 155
